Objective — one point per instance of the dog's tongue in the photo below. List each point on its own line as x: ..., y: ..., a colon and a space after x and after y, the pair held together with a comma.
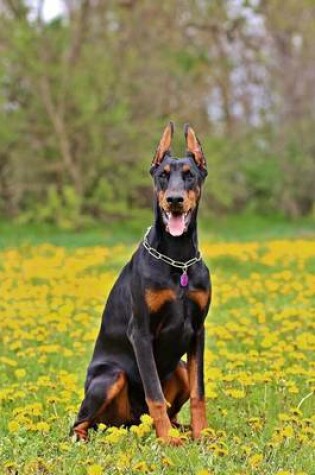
x: 176, y: 224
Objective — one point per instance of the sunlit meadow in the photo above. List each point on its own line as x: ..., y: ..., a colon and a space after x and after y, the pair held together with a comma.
x: 260, y: 371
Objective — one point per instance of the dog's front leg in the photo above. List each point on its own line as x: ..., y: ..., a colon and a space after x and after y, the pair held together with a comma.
x: 196, y: 383
x: 142, y: 345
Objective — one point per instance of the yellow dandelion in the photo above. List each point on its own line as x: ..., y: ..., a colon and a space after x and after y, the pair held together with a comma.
x: 255, y: 460
x: 146, y: 419
x: 168, y: 462
x: 95, y: 469
x: 288, y: 432
x: 42, y: 426
x: 220, y: 452
x: 20, y: 373
x: 13, y: 426
x: 235, y: 393
x: 123, y: 460
x: 114, y: 434
x: 64, y: 446
x: 11, y: 466
x: 141, y: 467
x: 173, y: 432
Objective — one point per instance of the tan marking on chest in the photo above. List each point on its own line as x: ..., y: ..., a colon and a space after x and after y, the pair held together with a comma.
x: 200, y: 297
x: 155, y: 299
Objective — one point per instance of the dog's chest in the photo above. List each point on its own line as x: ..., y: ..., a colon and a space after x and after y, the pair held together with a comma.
x: 175, y: 311
x: 172, y: 328
x: 179, y: 299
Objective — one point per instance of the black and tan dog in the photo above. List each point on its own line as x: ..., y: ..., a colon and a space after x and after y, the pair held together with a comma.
x: 155, y: 312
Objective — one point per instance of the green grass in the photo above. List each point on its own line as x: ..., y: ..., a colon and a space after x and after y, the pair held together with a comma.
x: 228, y: 228
x: 259, y: 360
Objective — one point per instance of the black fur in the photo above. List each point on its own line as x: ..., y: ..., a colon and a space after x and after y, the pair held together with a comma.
x: 147, y: 346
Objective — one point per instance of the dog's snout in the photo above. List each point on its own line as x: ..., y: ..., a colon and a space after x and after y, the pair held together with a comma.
x: 175, y: 199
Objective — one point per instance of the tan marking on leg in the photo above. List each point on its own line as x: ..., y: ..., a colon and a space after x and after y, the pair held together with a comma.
x: 198, y: 416
x: 116, y: 387
x: 176, y: 391
x: 155, y: 299
x: 162, y: 423
x: 112, y: 392
x: 197, y: 404
x: 192, y: 376
x: 123, y: 405
x: 177, y: 384
x: 200, y: 297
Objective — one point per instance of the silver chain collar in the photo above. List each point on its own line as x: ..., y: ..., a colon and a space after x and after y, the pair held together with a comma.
x: 162, y: 257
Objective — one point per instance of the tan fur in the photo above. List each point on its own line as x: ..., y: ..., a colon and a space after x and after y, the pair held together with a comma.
x: 158, y: 412
x: 197, y: 404
x: 200, y: 297
x: 167, y: 168
x: 198, y: 416
x: 194, y: 147
x: 162, y: 200
x: 177, y: 386
x: 192, y: 376
x: 155, y: 299
x: 122, y: 409
x: 190, y: 200
x: 164, y: 144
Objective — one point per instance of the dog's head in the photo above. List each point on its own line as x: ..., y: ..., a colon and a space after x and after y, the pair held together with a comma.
x: 178, y: 181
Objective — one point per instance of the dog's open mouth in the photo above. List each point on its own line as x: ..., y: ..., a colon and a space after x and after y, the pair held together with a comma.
x: 176, y: 223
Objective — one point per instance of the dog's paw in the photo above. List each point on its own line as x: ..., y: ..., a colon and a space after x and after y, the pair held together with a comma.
x: 173, y: 437
x: 80, y: 433
x: 174, y: 441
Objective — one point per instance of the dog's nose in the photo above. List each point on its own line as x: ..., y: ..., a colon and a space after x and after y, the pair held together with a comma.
x: 175, y: 200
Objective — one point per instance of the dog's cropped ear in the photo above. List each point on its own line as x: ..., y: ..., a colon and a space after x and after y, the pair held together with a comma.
x: 164, y: 144
x: 193, y: 146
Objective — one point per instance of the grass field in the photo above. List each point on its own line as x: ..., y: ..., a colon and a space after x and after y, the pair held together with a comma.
x: 260, y: 369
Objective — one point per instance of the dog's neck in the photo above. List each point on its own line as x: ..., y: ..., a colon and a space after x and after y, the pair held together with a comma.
x: 180, y: 248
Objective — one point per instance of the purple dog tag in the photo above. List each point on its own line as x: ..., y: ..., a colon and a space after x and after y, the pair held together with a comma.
x: 184, y: 279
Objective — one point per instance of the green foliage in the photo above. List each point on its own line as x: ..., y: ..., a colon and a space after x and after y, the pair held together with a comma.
x: 61, y: 209
x: 83, y: 103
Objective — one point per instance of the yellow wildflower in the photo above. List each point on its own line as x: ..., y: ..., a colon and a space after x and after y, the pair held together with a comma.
x: 42, y: 426
x: 20, y: 373
x: 13, y: 426
x: 255, y: 460
x: 95, y: 469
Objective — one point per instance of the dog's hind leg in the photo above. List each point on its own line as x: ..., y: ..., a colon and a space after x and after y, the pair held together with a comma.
x: 106, y: 400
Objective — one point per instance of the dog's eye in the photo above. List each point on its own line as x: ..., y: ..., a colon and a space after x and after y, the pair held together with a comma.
x: 164, y: 175
x: 188, y: 175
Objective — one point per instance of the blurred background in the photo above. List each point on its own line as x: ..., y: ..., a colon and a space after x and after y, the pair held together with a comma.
x: 87, y: 86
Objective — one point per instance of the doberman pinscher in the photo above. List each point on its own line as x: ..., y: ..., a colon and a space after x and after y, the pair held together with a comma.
x: 155, y: 312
